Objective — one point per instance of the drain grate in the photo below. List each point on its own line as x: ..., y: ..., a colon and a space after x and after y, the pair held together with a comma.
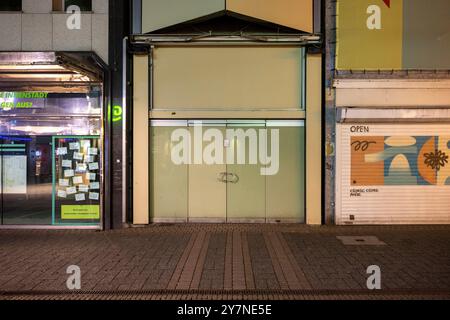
x: 361, y: 241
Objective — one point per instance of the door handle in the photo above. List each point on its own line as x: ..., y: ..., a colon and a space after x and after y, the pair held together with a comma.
x: 223, y: 177
x: 235, y: 178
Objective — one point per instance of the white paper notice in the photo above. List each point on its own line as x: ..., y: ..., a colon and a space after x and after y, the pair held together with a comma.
x: 80, y: 197
x: 81, y: 167
x: 91, y: 176
x: 77, y: 156
x: 77, y: 180
x: 85, y: 144
x: 13, y: 170
x: 64, y: 182
x: 67, y: 163
x: 94, y: 196
x: 69, y: 173
x: 61, y: 151
x: 83, y: 188
x: 89, y: 159
x: 62, y: 194
x: 95, y: 186
x: 71, y: 190
x: 92, y: 151
x: 74, y: 146
x: 93, y: 166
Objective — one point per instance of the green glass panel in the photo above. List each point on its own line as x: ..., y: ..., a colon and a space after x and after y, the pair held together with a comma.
x: 286, y: 189
x: 168, y: 186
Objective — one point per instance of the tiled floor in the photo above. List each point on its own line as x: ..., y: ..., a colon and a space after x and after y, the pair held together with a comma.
x: 247, y: 260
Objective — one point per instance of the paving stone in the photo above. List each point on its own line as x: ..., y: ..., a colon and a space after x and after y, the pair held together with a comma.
x: 218, y: 260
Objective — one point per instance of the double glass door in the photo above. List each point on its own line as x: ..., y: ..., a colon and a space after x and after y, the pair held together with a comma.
x: 230, y: 170
x: 234, y: 188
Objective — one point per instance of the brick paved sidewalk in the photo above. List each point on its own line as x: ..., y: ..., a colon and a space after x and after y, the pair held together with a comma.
x: 226, y: 261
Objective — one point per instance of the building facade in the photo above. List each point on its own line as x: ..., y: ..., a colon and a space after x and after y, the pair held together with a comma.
x: 226, y: 111
x: 55, y: 117
x: 388, y: 99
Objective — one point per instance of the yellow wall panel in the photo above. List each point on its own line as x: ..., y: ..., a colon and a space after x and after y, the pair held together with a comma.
x: 140, y: 142
x: 228, y: 78
x: 158, y: 14
x: 296, y: 14
x: 313, y: 140
x: 370, y: 34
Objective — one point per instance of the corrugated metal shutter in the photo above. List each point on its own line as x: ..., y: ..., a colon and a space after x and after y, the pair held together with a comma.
x: 393, y: 174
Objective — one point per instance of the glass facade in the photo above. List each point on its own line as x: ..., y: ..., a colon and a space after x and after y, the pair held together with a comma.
x: 40, y: 133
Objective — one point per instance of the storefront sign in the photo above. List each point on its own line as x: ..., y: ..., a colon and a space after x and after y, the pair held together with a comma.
x: 81, y: 212
x: 22, y: 100
x: 117, y: 113
x: 392, y: 34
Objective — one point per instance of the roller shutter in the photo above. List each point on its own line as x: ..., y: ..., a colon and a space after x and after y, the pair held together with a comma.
x: 393, y: 174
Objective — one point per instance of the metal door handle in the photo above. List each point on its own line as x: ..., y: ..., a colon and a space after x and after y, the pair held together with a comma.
x: 223, y: 177
x: 235, y: 178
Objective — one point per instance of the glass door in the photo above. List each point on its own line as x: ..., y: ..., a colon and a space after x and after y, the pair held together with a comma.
x: 168, y: 171
x: 26, y: 180
x: 207, y: 172
x: 246, y: 184
x: 285, y: 189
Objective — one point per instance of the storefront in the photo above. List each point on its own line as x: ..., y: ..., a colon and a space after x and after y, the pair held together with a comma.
x: 227, y: 127
x: 51, y: 138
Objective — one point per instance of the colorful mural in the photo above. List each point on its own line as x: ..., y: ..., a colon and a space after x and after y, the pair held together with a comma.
x: 400, y: 160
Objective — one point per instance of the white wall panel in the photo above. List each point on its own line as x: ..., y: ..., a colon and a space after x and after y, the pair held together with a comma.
x: 36, y: 31
x: 100, y: 31
x: 37, y: 6
x: 72, y: 40
x: 392, y: 93
x: 10, y: 31
x: 100, y: 6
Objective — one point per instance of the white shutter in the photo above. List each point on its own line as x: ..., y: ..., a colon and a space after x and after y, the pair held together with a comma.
x: 403, y: 189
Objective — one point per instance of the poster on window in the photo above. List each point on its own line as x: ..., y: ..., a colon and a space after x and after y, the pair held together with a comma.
x: 77, y: 180
x: 13, y: 172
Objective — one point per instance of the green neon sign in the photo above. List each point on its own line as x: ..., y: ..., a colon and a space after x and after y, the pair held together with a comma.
x: 116, y: 114
x: 20, y: 100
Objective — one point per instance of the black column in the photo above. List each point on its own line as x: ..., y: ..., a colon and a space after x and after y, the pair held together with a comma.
x: 119, y: 28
